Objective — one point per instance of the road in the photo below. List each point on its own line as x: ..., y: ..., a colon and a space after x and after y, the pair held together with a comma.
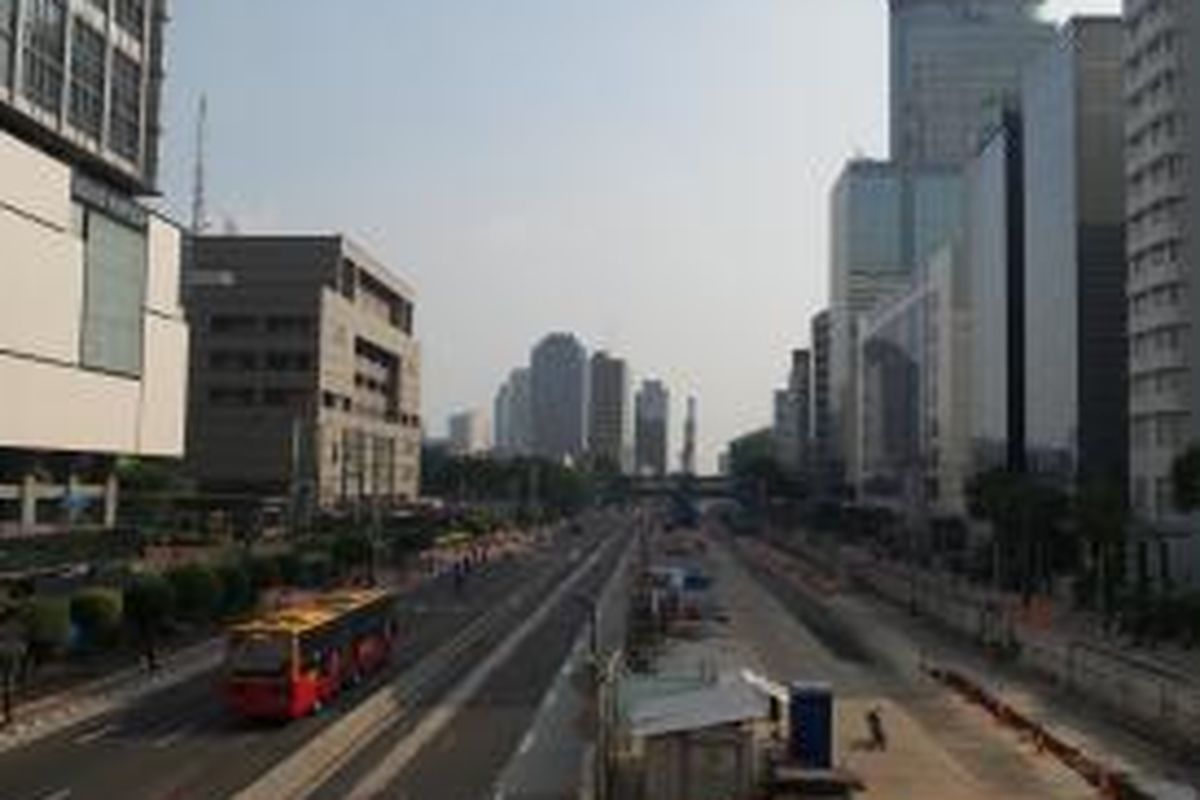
x: 181, y: 743
x: 465, y: 759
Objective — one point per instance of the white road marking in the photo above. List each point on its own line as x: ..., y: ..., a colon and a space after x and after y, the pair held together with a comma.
x: 172, y: 738
x: 61, y: 794
x: 95, y: 734
x: 527, y: 741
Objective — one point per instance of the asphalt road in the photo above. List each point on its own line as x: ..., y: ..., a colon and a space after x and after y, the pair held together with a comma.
x: 181, y: 743
x: 466, y: 758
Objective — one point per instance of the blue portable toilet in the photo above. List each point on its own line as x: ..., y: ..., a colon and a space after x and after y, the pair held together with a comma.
x: 810, y: 725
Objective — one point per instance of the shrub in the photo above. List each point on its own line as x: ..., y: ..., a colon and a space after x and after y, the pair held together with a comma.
x: 47, y: 622
x: 97, y: 612
x: 237, y: 594
x: 197, y: 592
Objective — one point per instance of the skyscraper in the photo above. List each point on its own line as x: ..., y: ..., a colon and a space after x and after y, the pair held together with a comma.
x: 610, y: 423
x: 652, y: 426
x: 886, y: 224
x: 1162, y: 129
x: 520, y: 412
x: 792, y: 412
x: 954, y: 63
x: 1074, y: 301
x: 93, y: 341
x: 688, y: 456
x: 559, y: 378
x: 501, y: 426
x: 824, y: 457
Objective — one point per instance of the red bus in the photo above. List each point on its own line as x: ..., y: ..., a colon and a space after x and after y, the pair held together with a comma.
x: 290, y: 663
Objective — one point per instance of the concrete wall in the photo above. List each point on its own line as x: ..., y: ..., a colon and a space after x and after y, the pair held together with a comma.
x: 49, y: 402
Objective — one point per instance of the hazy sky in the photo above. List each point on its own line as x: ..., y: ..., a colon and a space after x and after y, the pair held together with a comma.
x: 651, y: 174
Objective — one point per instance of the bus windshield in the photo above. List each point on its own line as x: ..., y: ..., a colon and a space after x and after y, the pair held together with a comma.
x: 259, y: 655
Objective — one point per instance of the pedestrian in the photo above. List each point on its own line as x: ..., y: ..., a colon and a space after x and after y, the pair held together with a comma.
x: 877, y: 735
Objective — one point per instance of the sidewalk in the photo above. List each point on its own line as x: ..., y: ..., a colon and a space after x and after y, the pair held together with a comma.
x: 938, y: 749
x: 910, y: 642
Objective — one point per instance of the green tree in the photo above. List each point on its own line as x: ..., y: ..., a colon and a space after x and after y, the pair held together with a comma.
x: 47, y: 623
x: 1027, y: 519
x: 237, y: 593
x: 197, y: 592
x: 149, y: 603
x: 97, y: 613
x: 1101, y: 519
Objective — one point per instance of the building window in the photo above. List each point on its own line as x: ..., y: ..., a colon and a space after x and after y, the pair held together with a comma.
x: 87, y: 79
x: 131, y: 16
x: 231, y: 396
x: 45, y: 49
x: 289, y: 324
x: 232, y: 361
x: 114, y: 281
x: 8, y: 25
x: 232, y: 324
x: 125, y: 108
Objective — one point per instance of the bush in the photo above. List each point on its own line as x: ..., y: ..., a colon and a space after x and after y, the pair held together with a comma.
x: 237, y: 594
x: 47, y: 623
x: 97, y: 612
x: 197, y: 592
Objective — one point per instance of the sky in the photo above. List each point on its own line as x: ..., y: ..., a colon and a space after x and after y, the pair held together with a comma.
x: 651, y: 175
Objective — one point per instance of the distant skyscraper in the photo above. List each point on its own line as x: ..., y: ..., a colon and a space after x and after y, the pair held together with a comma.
x: 653, y: 423
x: 886, y: 223
x: 792, y: 411
x: 559, y: 378
x: 688, y: 459
x: 610, y: 428
x: 954, y: 63
x: 468, y: 433
x: 520, y: 412
x: 501, y: 425
x: 824, y: 456
x: 1075, y: 342
x: 1162, y: 129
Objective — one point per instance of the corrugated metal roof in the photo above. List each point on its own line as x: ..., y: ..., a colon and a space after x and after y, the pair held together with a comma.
x: 718, y: 704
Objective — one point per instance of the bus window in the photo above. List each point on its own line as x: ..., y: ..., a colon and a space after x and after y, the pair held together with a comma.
x: 260, y: 655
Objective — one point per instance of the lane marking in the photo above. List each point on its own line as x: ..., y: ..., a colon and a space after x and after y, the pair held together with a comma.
x: 174, y: 737
x: 527, y: 741
x: 376, y: 782
x: 95, y: 734
x: 61, y: 794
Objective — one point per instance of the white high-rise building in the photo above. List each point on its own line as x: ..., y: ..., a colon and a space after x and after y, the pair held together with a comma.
x: 1162, y: 132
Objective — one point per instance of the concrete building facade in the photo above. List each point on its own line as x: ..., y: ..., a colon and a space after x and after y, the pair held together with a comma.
x: 651, y: 428
x: 792, y: 412
x: 1075, y: 343
x: 1162, y: 139
x: 559, y: 398
x: 93, y: 344
x: 306, y: 373
x: 610, y: 423
x: 826, y: 467
x: 954, y: 63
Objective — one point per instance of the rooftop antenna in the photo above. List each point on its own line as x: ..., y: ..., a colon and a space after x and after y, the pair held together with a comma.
x: 199, y: 210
